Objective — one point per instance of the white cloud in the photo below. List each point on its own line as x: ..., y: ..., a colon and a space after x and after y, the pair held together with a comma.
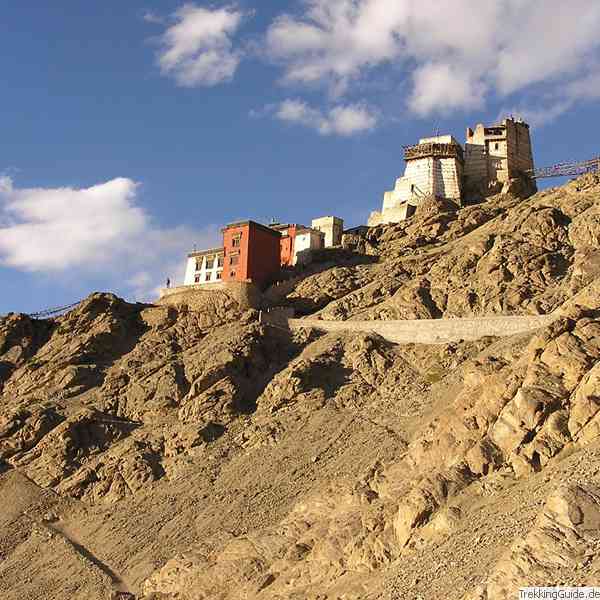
x: 334, y: 40
x: 100, y: 229
x: 197, y: 49
x: 342, y: 120
x: 455, y: 54
x: 443, y: 87
x: 151, y: 17
x: 539, y: 111
x: 587, y: 87
x: 547, y: 40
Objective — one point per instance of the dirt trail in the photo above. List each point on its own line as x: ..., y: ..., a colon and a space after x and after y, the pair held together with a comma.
x: 71, y: 535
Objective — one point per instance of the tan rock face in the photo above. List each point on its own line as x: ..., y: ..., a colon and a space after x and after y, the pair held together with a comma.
x: 563, y: 539
x: 514, y: 415
x: 187, y: 452
x: 20, y: 338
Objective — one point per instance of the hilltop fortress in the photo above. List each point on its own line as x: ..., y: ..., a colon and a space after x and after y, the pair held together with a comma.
x: 252, y: 256
x: 492, y: 158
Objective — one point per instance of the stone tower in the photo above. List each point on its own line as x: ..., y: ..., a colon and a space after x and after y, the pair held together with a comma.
x: 434, y: 167
x: 496, y: 154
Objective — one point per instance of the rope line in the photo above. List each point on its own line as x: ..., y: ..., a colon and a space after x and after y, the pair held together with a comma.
x: 50, y: 312
x: 567, y: 168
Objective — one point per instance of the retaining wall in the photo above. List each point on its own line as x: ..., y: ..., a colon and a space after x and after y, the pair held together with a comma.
x: 246, y: 294
x: 427, y: 331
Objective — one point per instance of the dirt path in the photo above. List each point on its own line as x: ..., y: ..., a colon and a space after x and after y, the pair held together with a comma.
x: 71, y: 536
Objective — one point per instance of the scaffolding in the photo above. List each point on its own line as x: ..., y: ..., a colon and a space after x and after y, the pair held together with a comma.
x: 433, y: 149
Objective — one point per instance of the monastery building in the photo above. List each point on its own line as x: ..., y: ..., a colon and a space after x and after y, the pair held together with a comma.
x: 255, y: 253
x: 205, y: 266
x: 250, y: 253
x: 439, y: 167
x: 297, y: 242
x: 493, y: 158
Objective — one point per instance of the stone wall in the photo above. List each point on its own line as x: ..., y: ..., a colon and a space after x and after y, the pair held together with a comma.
x: 428, y: 331
x: 494, y: 155
x: 519, y: 152
x: 448, y: 178
x: 276, y: 317
x: 391, y: 215
x: 332, y: 227
x: 247, y: 295
x: 420, y: 173
x: 476, y: 169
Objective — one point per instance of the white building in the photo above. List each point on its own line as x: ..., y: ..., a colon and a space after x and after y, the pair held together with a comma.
x: 332, y: 227
x: 434, y: 167
x: 307, y: 240
x: 205, y: 266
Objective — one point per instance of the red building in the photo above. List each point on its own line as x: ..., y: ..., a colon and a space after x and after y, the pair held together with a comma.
x: 252, y: 253
x: 287, y: 242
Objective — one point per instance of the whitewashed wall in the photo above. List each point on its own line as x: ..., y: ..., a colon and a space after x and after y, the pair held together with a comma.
x: 304, y: 243
x: 205, y: 275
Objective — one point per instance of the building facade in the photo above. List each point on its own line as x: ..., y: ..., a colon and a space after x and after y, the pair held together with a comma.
x: 438, y: 167
x: 251, y: 253
x: 496, y: 154
x: 332, y: 227
x: 286, y: 242
x: 205, y: 266
x: 307, y: 240
x: 297, y: 242
x: 434, y: 167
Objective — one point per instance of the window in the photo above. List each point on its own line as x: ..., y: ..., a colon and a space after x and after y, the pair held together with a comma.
x: 232, y: 274
x: 234, y: 260
x: 220, y: 261
x: 197, y: 279
x: 236, y: 240
x: 496, y: 146
x: 198, y: 264
x: 210, y: 261
x: 219, y: 275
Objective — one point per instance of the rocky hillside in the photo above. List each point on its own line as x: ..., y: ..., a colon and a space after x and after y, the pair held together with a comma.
x: 179, y: 453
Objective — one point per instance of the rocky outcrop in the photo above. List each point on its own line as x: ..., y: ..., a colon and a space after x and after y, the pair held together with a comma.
x: 20, y: 338
x: 505, y: 256
x: 561, y: 547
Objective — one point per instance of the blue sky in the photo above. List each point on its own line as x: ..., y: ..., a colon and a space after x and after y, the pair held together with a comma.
x: 133, y: 130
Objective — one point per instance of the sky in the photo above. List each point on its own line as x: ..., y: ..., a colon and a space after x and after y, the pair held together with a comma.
x: 132, y: 131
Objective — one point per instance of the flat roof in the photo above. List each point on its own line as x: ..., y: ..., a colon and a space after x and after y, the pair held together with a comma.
x: 439, y: 139
x: 204, y: 252
x: 251, y: 224
x: 280, y: 226
x: 310, y: 229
